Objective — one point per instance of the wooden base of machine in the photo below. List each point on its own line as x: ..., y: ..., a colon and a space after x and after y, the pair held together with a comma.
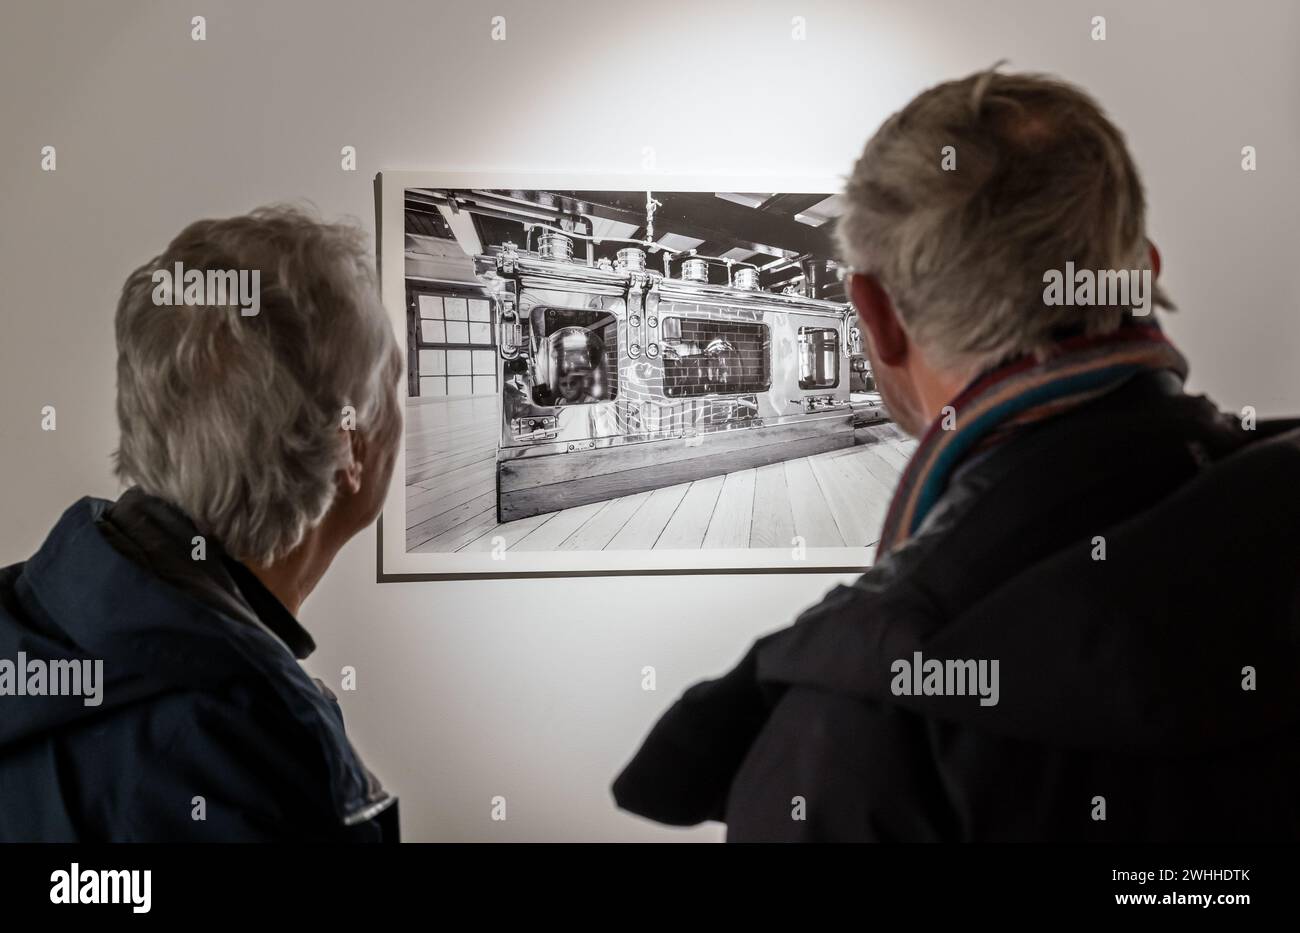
x: 529, y: 486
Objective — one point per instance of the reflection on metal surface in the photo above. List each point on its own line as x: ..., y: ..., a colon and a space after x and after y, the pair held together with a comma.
x: 626, y: 362
x: 630, y: 259
x: 663, y: 358
x: 868, y: 407
x: 555, y: 246
x: 677, y: 344
x: 695, y: 270
x: 819, y: 358
x: 704, y: 357
x: 571, y: 368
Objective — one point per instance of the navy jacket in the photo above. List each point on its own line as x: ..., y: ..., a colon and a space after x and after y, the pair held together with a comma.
x: 1157, y: 687
x: 207, y: 727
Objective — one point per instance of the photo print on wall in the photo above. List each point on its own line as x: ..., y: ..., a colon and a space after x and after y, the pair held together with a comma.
x: 627, y: 376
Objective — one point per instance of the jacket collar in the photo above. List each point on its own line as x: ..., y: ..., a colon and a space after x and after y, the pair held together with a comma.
x: 159, y: 536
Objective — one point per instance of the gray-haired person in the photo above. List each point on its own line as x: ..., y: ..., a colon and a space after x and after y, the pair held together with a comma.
x: 257, y: 399
x: 1082, y: 619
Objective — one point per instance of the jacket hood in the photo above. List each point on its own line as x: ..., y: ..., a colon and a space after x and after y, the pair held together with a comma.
x: 1150, y: 649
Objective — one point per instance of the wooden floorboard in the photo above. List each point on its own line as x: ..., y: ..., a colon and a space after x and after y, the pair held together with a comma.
x: 644, y: 528
x: 550, y: 536
x: 432, y: 527
x: 892, y: 454
x: 843, y: 495
x: 686, y: 529
x: 484, y: 449
x: 440, y: 487
x: 448, y: 465
x: 828, y: 499
x: 601, y: 528
x: 733, y: 515
x: 510, y: 535
x: 460, y: 535
x: 813, y: 520
x: 873, y: 490
x: 773, y: 522
x: 874, y: 464
x: 453, y: 499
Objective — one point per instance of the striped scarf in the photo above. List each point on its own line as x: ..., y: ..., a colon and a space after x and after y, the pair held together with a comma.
x: 1000, y: 402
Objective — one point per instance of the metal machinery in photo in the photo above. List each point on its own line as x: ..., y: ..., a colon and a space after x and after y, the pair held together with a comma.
x: 651, y: 366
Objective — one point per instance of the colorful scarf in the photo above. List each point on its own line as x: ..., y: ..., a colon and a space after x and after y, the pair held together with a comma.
x: 1000, y: 402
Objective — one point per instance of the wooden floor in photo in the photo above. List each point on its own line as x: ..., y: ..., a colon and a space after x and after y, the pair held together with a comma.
x: 832, y: 499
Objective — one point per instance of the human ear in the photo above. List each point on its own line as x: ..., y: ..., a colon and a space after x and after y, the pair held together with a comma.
x: 889, y: 341
x: 349, y: 475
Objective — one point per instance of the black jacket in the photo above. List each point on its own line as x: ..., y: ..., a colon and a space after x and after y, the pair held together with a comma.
x: 1120, y: 679
x: 202, y: 696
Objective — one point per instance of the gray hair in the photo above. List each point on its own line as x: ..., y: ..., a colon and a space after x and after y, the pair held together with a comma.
x: 237, y: 419
x: 1042, y: 178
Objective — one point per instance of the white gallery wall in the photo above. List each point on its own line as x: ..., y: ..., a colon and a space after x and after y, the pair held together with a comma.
x: 532, y: 690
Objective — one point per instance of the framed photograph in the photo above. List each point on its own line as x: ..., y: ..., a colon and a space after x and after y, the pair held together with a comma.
x: 627, y: 375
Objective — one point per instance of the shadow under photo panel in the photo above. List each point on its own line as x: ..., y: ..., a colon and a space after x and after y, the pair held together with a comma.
x: 627, y: 375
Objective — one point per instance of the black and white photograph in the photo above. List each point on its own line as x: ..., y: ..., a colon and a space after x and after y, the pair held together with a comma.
x: 636, y: 370
x: 575, y: 421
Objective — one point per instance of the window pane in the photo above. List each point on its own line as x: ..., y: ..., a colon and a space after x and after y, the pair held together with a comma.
x: 433, y: 385
x: 433, y: 362
x: 457, y: 332
x: 480, y: 310
x: 458, y: 363
x: 485, y: 385
x: 433, y: 332
x: 707, y: 357
x: 459, y: 385
x: 430, y: 306
x: 480, y: 333
x: 819, y: 360
x: 485, y: 362
x: 456, y: 310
